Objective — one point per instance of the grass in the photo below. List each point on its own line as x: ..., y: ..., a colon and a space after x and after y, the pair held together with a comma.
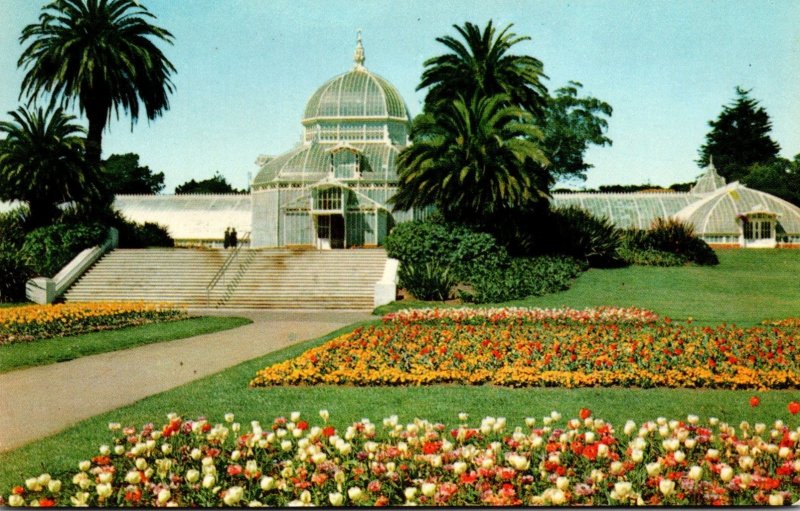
x: 61, y: 349
x: 747, y: 287
x: 227, y: 391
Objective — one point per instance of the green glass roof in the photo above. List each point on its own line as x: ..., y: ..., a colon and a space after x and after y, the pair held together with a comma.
x: 717, y: 213
x: 311, y: 162
x: 356, y: 94
x: 627, y: 209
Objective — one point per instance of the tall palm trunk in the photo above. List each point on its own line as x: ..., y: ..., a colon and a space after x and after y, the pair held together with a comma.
x: 97, y: 115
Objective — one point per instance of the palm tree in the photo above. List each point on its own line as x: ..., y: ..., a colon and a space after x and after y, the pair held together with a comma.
x: 482, y: 65
x: 42, y: 163
x: 99, y: 54
x: 473, y: 160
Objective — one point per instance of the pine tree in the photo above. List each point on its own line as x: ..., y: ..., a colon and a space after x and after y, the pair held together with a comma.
x: 739, y: 138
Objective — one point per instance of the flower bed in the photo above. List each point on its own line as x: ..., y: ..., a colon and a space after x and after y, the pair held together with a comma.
x: 30, y: 322
x: 566, y: 348
x: 469, y: 315
x: 583, y: 461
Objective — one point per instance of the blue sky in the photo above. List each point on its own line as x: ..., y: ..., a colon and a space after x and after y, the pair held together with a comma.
x: 247, y: 67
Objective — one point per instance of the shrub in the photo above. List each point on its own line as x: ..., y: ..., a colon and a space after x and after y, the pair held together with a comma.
x: 12, y: 227
x: 523, y: 277
x: 650, y: 257
x: 451, y: 246
x: 150, y: 234
x: 574, y: 232
x: 48, y: 249
x: 427, y: 280
x: 13, y: 274
x: 672, y: 236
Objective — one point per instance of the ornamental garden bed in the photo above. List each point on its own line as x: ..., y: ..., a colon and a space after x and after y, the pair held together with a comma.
x: 31, y: 322
x: 540, y: 347
x: 549, y: 461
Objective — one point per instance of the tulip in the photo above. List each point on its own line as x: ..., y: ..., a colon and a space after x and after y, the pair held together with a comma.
x: 562, y: 483
x: 428, y: 489
x: 355, y: 493
x: 286, y: 445
x: 294, y: 417
x: 133, y: 477
x: 530, y: 422
x: 679, y: 456
x: 589, y: 437
x: 232, y: 495
x: 518, y: 462
x: 325, y: 416
x: 32, y: 484
x: 746, y: 462
x: 140, y: 463
x: 229, y: 417
x: 459, y: 467
x: 666, y: 487
x: 54, y: 486
x: 267, y: 483
x: 105, y: 450
x: 726, y: 473
x: 192, y: 475
x: 557, y: 497
x: 119, y: 450
x: 695, y: 473
x: 776, y: 499
x: 84, y: 466
x: 209, y: 481
x: 336, y: 499
x: 637, y: 455
x: 653, y: 468
x: 104, y: 490
x: 255, y: 503
x: 622, y: 489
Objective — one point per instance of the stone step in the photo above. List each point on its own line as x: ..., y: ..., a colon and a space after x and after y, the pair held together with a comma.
x: 269, y: 278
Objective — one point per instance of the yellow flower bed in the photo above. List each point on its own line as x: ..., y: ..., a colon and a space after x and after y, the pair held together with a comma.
x: 557, y: 350
x: 32, y: 322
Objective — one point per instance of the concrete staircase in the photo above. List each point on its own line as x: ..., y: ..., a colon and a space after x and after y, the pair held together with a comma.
x: 266, y: 278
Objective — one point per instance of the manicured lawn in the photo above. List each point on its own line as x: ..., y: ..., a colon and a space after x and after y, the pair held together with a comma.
x: 60, y: 349
x: 747, y: 287
x: 228, y: 392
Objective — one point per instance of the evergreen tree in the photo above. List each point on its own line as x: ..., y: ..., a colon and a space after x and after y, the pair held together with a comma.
x: 125, y: 175
x: 739, y: 138
x: 216, y: 184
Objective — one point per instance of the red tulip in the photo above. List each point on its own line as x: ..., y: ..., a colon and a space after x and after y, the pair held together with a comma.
x: 585, y: 413
x: 794, y: 407
x: 755, y: 401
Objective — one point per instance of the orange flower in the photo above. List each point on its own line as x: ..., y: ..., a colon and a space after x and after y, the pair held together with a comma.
x: 794, y: 407
x: 585, y: 413
x: 755, y: 401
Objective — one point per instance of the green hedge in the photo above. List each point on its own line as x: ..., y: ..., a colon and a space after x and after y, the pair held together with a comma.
x: 48, y: 249
x: 458, y: 248
x: 523, y: 277
x: 667, y: 236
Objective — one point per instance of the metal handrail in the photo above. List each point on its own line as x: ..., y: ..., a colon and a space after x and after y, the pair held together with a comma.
x: 225, y: 265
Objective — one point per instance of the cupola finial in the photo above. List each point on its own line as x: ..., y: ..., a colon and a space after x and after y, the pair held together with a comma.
x: 358, y: 57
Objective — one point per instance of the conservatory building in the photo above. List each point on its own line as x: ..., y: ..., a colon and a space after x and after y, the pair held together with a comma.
x: 332, y: 190
x: 724, y: 215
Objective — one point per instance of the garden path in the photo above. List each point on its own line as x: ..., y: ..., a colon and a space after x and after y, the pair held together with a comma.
x: 40, y: 401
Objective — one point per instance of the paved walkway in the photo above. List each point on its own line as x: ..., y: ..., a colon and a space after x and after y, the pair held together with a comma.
x: 40, y: 401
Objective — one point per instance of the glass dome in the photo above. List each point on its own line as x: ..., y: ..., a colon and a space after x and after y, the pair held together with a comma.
x: 357, y: 106
x: 356, y: 94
